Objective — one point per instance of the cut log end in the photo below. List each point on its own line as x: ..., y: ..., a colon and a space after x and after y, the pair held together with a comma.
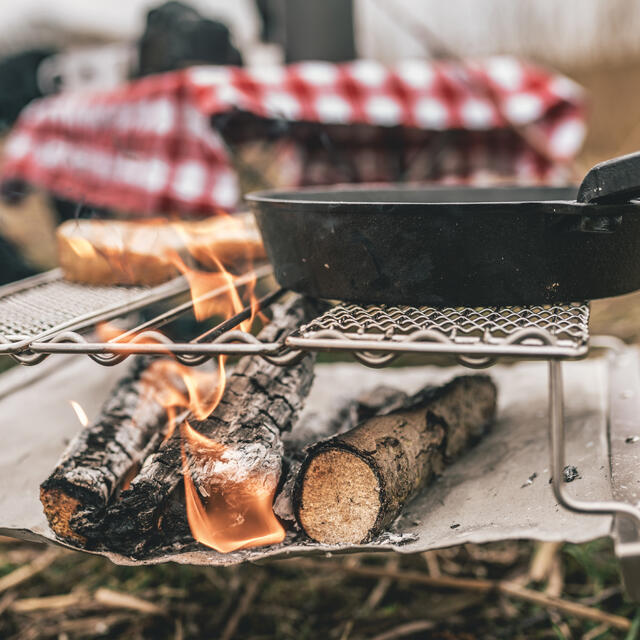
x: 352, y: 486
x: 340, y: 498
x: 60, y: 508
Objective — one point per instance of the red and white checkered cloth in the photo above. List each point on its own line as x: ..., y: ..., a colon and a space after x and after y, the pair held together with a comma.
x: 149, y: 146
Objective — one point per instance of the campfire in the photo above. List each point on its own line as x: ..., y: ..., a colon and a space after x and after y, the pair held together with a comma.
x: 180, y: 456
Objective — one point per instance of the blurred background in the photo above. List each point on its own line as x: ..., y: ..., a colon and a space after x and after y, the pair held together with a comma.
x: 74, y: 48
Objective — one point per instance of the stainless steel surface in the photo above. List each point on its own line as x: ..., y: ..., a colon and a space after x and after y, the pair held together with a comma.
x: 44, y: 315
x: 557, y: 437
x: 41, y: 307
x: 378, y: 334
x: 491, y: 492
x: 624, y: 439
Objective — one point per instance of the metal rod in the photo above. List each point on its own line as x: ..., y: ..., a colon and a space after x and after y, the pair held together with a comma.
x: 209, y: 348
x: 211, y: 334
x: 166, y: 317
x: 557, y: 442
x: 520, y: 350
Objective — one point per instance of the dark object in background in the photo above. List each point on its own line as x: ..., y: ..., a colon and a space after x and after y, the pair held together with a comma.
x: 177, y: 36
x: 71, y: 210
x: 13, y: 266
x: 458, y: 246
x: 18, y: 83
x: 301, y: 27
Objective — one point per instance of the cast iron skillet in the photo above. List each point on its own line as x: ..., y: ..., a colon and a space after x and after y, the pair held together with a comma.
x: 458, y: 246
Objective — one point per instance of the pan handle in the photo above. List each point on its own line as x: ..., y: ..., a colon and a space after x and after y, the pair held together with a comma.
x: 616, y: 180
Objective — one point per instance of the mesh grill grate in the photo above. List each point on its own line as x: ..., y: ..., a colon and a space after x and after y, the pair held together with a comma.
x: 568, y: 324
x: 53, y: 303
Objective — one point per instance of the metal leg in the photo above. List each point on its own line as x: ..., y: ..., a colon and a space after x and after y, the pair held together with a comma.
x: 627, y: 516
x: 557, y: 441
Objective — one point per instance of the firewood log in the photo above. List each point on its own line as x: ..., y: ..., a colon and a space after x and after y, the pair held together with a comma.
x: 352, y: 486
x: 326, y: 421
x: 100, y: 459
x: 260, y: 401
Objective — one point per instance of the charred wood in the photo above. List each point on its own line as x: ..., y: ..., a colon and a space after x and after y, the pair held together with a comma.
x: 260, y: 401
x: 99, y: 461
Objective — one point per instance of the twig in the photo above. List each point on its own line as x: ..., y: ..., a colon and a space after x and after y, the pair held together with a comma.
x: 86, y: 627
x: 431, y: 558
x: 382, y: 586
x: 407, y: 629
x: 23, y: 574
x: 245, y: 602
x: 485, y: 586
x: 555, y: 583
x: 595, y: 632
x: 6, y: 601
x: 543, y: 559
x: 346, y: 632
x: 179, y: 630
x: 119, y: 600
x: 605, y: 594
x: 28, y: 605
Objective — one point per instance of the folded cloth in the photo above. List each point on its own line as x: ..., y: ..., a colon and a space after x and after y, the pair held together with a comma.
x: 150, y: 147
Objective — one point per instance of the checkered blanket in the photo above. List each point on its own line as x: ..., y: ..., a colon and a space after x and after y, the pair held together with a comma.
x: 162, y: 143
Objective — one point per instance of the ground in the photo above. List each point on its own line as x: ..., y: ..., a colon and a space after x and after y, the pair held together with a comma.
x: 320, y: 598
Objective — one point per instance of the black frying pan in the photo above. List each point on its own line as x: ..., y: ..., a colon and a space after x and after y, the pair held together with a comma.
x: 458, y: 246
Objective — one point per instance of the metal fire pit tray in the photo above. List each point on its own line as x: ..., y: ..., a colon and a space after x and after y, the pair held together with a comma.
x: 499, y: 490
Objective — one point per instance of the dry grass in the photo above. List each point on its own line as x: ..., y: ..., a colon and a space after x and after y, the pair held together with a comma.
x: 85, y: 596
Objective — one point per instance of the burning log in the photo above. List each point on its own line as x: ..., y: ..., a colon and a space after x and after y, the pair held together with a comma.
x: 101, y: 459
x: 352, y: 486
x: 223, y: 464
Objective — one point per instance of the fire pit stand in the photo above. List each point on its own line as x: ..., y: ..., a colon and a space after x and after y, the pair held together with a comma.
x: 45, y: 315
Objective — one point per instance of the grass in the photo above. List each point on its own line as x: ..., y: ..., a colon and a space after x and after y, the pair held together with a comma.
x: 302, y: 603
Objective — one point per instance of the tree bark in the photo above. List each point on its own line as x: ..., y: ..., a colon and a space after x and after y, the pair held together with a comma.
x: 352, y: 486
x: 260, y: 401
x: 100, y: 459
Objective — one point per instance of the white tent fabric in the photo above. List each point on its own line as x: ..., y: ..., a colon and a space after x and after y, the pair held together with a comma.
x: 571, y: 33
x: 67, y: 23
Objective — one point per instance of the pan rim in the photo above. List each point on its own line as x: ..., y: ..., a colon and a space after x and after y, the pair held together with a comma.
x: 288, y: 195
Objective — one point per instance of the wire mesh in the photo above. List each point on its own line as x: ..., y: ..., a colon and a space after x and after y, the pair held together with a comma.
x: 49, y: 303
x: 568, y: 324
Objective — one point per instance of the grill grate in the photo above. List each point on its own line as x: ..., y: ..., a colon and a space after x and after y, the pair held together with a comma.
x: 568, y: 324
x: 47, y: 304
x: 43, y: 315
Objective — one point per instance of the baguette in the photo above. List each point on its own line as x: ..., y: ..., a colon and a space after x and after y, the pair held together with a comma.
x: 111, y: 252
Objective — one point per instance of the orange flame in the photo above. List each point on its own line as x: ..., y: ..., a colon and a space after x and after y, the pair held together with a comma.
x: 180, y: 387
x: 238, y: 513
x: 80, y: 412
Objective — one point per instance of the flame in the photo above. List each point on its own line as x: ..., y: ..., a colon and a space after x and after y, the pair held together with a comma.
x: 80, y: 412
x: 229, y: 505
x: 179, y: 387
x: 81, y: 246
x: 238, y: 513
